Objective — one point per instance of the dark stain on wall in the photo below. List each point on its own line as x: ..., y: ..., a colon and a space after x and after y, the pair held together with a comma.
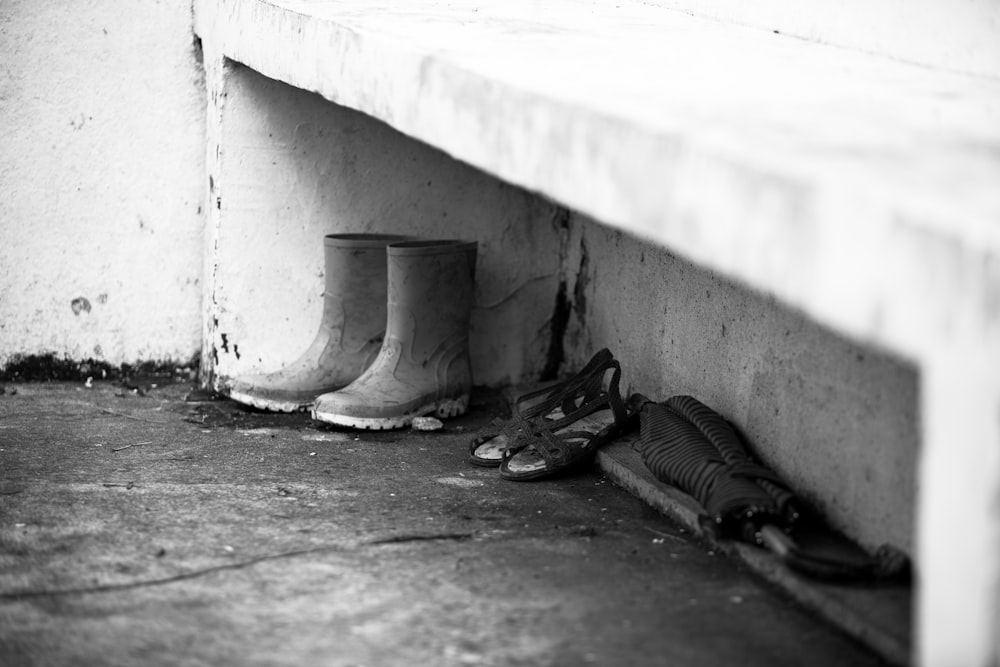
x: 49, y: 367
x: 556, y: 352
x: 561, y: 311
x: 582, y: 280
x: 79, y: 305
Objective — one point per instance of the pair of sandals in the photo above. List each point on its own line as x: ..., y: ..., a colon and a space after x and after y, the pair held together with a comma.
x: 558, y: 427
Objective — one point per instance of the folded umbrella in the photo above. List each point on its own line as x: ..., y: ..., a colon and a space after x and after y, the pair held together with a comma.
x: 688, y: 445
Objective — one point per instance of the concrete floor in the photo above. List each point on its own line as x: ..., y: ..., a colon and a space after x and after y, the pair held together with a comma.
x: 138, y: 527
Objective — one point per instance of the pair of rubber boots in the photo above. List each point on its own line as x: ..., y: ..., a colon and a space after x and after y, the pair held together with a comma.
x: 393, y: 343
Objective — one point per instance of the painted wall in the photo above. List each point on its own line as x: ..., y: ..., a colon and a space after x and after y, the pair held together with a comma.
x: 102, y: 179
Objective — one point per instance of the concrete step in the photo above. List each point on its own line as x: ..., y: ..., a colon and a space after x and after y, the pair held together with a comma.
x: 879, y: 616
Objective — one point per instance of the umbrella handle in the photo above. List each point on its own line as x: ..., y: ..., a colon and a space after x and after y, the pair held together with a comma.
x: 777, y: 541
x: 888, y: 562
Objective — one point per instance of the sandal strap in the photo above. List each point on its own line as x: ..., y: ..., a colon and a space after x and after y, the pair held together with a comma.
x: 587, y: 380
x: 528, y: 423
x: 552, y: 446
x: 483, y: 438
x: 594, y: 398
x: 562, y: 395
x: 555, y: 448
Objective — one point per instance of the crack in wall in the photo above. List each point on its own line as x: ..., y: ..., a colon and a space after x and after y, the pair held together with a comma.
x: 582, y: 281
x: 571, y: 295
x: 559, y: 320
x: 560, y: 313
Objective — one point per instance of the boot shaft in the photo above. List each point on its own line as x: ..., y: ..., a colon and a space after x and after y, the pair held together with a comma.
x: 430, y: 293
x: 423, y: 366
x: 356, y: 261
x: 354, y: 298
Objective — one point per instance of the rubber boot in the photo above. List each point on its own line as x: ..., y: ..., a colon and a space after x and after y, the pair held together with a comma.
x: 423, y: 366
x: 350, y: 332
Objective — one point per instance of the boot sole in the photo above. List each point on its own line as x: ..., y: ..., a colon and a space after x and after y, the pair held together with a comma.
x: 270, y: 405
x: 444, y: 409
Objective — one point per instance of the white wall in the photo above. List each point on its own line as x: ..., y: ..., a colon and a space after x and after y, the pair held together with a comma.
x: 101, y: 174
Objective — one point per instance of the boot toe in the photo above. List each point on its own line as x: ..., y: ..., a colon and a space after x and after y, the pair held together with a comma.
x: 263, y: 393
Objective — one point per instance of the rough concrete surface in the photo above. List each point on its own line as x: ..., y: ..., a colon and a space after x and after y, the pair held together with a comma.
x: 137, y: 527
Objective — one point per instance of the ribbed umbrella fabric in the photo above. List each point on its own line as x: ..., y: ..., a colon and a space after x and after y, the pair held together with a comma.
x: 730, y: 446
x: 688, y: 445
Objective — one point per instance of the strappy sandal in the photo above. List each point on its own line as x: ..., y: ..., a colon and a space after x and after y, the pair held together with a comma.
x: 550, y: 448
x: 548, y: 406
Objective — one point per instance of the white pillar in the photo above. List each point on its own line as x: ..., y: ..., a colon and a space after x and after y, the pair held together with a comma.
x: 958, y: 614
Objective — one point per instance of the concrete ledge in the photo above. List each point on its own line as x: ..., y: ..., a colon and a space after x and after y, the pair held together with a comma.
x: 877, y: 616
x: 829, y: 178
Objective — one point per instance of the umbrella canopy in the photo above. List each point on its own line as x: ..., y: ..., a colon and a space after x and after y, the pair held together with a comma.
x: 740, y: 464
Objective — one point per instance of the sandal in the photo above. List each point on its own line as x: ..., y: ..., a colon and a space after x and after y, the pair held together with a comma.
x: 550, y: 448
x: 549, y: 406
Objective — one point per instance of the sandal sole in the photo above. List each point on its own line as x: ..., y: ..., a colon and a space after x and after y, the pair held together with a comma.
x: 605, y: 434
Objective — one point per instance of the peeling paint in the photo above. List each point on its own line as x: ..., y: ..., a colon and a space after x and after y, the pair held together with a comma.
x: 80, y: 304
x: 78, y: 123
